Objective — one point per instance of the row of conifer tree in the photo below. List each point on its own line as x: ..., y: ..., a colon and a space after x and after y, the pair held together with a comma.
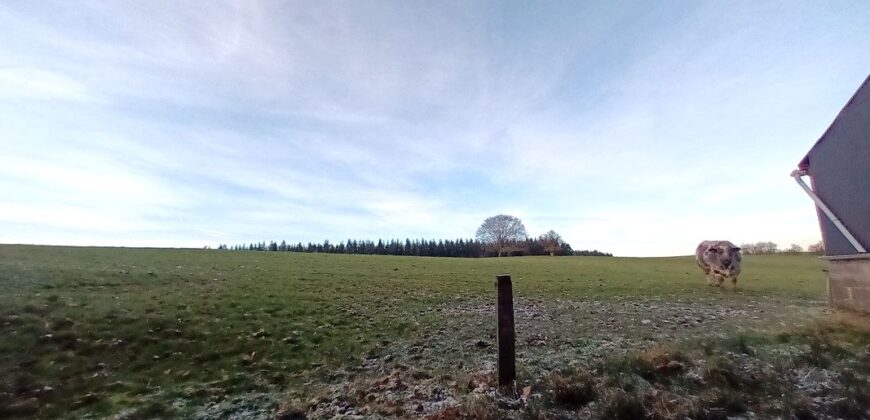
x: 467, y: 248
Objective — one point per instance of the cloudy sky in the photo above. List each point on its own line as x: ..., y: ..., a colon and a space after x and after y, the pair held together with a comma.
x: 638, y: 129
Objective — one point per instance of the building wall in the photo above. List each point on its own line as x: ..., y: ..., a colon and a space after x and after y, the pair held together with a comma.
x: 839, y: 165
x: 849, y: 284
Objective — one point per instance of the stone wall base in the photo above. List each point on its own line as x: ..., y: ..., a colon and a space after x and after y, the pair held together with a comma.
x: 849, y: 283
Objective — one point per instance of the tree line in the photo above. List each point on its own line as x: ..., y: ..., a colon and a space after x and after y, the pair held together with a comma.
x: 459, y: 248
x: 760, y: 248
x: 500, y: 235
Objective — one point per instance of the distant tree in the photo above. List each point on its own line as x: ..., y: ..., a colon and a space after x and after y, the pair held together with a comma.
x: 760, y: 248
x: 593, y: 253
x: 552, y: 242
x: 795, y: 249
x: 768, y: 247
x: 817, y: 248
x: 501, y: 232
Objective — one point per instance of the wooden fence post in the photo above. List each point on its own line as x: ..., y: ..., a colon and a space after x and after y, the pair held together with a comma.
x: 507, y: 369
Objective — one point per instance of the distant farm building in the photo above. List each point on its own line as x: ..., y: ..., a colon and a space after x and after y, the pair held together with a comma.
x: 839, y: 167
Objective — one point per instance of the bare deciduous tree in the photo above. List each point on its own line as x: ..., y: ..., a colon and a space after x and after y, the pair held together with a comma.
x: 760, y: 248
x: 817, y: 248
x: 551, y: 241
x: 501, y: 231
x: 795, y: 249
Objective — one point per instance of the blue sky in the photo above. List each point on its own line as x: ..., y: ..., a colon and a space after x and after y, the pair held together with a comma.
x: 638, y: 129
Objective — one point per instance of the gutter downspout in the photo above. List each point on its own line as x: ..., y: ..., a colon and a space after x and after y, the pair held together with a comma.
x: 797, y: 174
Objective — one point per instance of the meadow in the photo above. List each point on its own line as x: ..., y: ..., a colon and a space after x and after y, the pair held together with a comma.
x: 156, y: 333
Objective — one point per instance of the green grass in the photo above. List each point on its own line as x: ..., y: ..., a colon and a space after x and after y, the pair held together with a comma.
x: 97, y: 331
x: 719, y: 378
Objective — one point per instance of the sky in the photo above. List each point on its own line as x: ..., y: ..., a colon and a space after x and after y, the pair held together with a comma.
x: 637, y: 128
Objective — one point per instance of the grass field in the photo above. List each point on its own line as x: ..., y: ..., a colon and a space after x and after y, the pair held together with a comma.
x: 148, y: 333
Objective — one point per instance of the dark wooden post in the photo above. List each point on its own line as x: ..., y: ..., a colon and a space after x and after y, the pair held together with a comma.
x: 507, y: 369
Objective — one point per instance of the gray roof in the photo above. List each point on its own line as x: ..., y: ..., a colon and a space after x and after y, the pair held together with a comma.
x: 860, y: 95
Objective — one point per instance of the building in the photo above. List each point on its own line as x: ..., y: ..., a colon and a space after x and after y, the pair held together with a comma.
x: 839, y: 167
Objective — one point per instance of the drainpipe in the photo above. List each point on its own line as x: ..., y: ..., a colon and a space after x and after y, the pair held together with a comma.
x: 797, y: 174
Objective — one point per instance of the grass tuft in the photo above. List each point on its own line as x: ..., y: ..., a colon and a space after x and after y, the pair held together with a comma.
x: 571, y: 391
x: 620, y: 405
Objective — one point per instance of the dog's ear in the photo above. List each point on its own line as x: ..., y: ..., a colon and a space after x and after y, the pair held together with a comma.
x: 713, y: 250
x: 736, y: 248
